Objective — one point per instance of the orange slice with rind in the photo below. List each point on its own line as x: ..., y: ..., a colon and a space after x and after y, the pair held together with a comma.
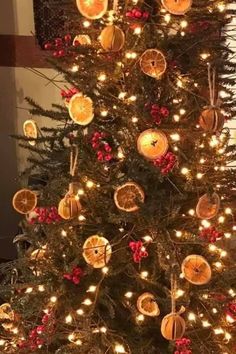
x: 30, y: 130
x: 146, y: 304
x: 82, y: 39
x: 128, y: 197
x: 97, y: 251
x: 153, y: 63
x: 81, y: 109
x: 24, y: 201
x: 92, y: 9
x: 177, y: 7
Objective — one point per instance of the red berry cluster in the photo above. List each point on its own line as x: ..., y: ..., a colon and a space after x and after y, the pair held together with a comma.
x: 198, y: 26
x: 75, y: 275
x: 137, y: 14
x: 166, y: 162
x: 60, y: 46
x: 231, y: 310
x: 46, y: 215
x: 158, y: 113
x: 139, y: 251
x: 182, y: 346
x: 211, y: 234
x: 37, y: 336
x: 67, y: 94
x: 101, y: 146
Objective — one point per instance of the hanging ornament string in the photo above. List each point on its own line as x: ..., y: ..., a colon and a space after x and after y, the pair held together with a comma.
x: 173, y: 293
x: 212, y: 84
x: 73, y: 160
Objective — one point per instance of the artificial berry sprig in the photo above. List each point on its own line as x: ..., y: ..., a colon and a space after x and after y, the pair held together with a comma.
x: 158, y: 113
x: 139, y: 251
x: 67, y: 94
x: 45, y: 215
x: 75, y: 275
x: 137, y: 14
x: 60, y: 46
x: 211, y: 234
x: 183, y: 346
x: 37, y: 336
x: 166, y: 163
x: 231, y: 310
x: 102, y: 147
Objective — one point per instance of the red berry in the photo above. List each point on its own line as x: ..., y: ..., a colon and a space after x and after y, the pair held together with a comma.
x: 48, y: 46
x: 67, y: 37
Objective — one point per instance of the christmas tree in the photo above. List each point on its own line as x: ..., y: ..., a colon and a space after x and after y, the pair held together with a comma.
x: 126, y: 243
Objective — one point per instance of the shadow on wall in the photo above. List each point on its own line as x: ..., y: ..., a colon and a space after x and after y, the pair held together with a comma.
x: 8, y: 177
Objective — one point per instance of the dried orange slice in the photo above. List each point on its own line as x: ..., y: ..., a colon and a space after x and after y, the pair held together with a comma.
x: 208, y: 206
x: 196, y: 269
x: 152, y: 144
x: 81, y: 109
x: 82, y: 39
x: 97, y: 251
x: 153, y: 63
x: 177, y: 7
x: 24, y: 201
x: 147, y: 305
x: 128, y: 196
x: 92, y: 9
x: 30, y: 130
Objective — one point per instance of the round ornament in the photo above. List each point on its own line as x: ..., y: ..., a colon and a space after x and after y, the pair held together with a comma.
x: 208, y: 206
x: 69, y: 207
x: 92, y: 9
x: 153, y: 63
x: 177, y: 7
x: 112, y: 38
x: 196, y: 269
x: 30, y: 130
x: 211, y: 120
x: 146, y: 304
x: 24, y: 201
x: 128, y: 197
x: 82, y: 39
x: 173, y: 326
x: 152, y: 144
x: 81, y: 109
x: 97, y: 251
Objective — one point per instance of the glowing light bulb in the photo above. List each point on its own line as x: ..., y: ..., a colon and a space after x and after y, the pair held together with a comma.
x: 228, y: 235
x: 183, y: 24
x: 221, y: 7
x: 92, y: 289
x: 221, y: 219
x: 214, y: 310
x: 78, y: 342
x: 230, y: 319
x: 128, y: 295
x: 178, y: 233
x: 120, y: 155
x: 104, y: 113
x: 105, y: 270
x: 89, y: 184
x: 179, y: 83
x: 87, y: 302
x: 212, y: 248
x: 122, y: 95
x: 179, y: 293
x: 228, y: 336
x: 80, y: 191
x: 74, y: 68
x: 63, y: 233
x: 167, y: 18
x: 103, y: 329
x: 204, y: 56
x: 202, y: 160
x: 223, y: 253
x: 133, y: 98
x: 140, y: 318
x: 175, y: 137
x: 191, y: 316
x: 102, y: 77
x: 86, y: 24
x: 218, y: 265
x: 80, y: 312
x: 191, y: 212
x: 68, y: 319
x: 119, y: 348
x: 231, y: 292
x: 218, y: 330
x: 53, y: 299
x: 137, y: 30
x: 205, y: 223
x: 81, y: 218
x: 206, y: 323
x: 2, y: 342
x: 29, y: 290
x: 41, y: 288
x: 184, y: 171
x: 228, y: 211
x: 144, y: 274
x: 147, y: 238
x: 71, y: 337
x: 134, y: 119
x: 182, y: 111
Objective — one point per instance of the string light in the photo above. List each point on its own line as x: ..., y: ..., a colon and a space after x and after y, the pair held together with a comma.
x: 167, y: 18
x: 89, y: 184
x: 218, y: 265
x: 2, y: 342
x: 179, y: 293
x: 81, y: 218
x: 204, y: 56
x: 144, y: 274
x: 131, y: 55
x: 133, y: 98
x: 128, y: 295
x: 147, y: 238
x: 212, y: 248
x: 41, y: 288
x: 205, y: 223
x: 87, y: 302
x: 119, y: 348
x: 178, y: 233
x: 214, y: 310
x: 68, y: 319
x: 230, y: 319
x: 228, y: 211
x: 80, y: 191
x: 199, y: 175
x: 218, y: 331
x: 175, y: 137
x: 202, y: 160
x: 74, y: 68
x: 206, y: 323
x: 80, y: 312
x: 182, y: 111
x: 102, y: 77
x: 63, y: 233
x: 134, y: 119
x: 104, y: 113
x: 28, y: 290
x: 86, y: 24
x: 105, y: 270
x: 232, y: 292
x: 103, y: 329
x: 53, y: 299
x: 184, y: 24
x: 92, y: 289
x: 140, y: 318
x: 191, y: 212
x: 221, y: 219
x: 191, y: 316
x: 122, y: 95
x: 221, y: 7
x: 184, y: 171
x: 137, y: 30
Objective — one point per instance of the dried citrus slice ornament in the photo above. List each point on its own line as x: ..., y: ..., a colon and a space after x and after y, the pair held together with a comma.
x: 81, y: 109
x: 30, y: 130
x: 24, y: 201
x: 92, y: 9
x: 177, y: 7
x: 128, y: 196
x: 196, y: 269
x: 97, y: 251
x: 147, y: 305
x: 82, y: 39
x: 153, y: 63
